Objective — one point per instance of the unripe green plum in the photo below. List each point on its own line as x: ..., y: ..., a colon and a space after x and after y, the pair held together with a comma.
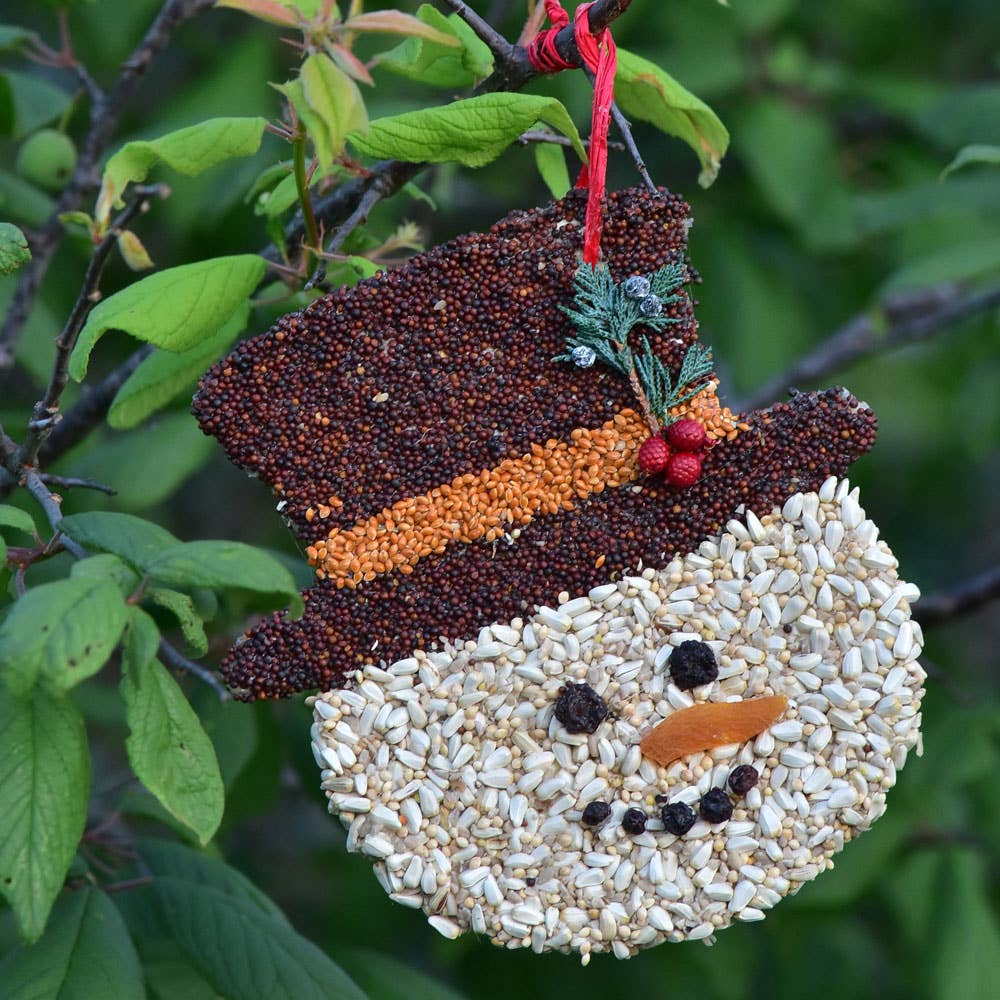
x: 47, y: 158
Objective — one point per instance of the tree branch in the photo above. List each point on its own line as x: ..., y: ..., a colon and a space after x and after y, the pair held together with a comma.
x: 46, y: 410
x: 502, y: 50
x: 962, y: 599
x: 104, y: 120
x: 906, y: 319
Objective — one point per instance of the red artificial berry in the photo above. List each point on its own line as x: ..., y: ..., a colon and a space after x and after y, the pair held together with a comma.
x: 653, y: 455
x: 683, y: 469
x: 687, y: 435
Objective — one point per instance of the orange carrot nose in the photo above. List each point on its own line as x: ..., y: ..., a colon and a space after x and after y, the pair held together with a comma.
x: 710, y: 724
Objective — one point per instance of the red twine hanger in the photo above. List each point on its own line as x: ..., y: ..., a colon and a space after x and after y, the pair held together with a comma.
x: 599, y: 55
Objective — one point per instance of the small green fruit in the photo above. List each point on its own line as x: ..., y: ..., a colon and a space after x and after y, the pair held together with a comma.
x: 47, y: 158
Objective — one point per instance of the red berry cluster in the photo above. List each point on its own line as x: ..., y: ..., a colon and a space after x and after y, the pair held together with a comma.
x: 676, y: 452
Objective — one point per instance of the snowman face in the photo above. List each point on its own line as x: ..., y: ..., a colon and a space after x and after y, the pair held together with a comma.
x: 453, y: 772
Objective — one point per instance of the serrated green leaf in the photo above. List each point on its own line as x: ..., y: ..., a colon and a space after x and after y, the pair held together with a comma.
x: 182, y: 608
x: 86, y: 954
x: 977, y: 154
x: 135, y: 539
x: 329, y: 103
x: 224, y: 565
x: 147, y: 466
x: 243, y: 952
x: 189, y: 151
x: 44, y: 786
x: 648, y: 93
x: 472, y: 131
x: 169, y: 751
x: 14, y: 517
x: 168, y: 858
x: 14, y: 252
x: 551, y: 164
x: 174, y: 309
x: 164, y: 375
x: 440, y: 65
x: 279, y: 200
x: 60, y: 633
x: 105, y: 566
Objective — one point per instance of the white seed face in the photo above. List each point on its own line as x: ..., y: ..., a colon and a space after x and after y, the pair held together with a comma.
x: 451, y: 772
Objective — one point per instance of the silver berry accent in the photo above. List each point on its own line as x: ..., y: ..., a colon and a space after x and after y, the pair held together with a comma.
x: 637, y: 287
x: 583, y: 356
x: 651, y: 306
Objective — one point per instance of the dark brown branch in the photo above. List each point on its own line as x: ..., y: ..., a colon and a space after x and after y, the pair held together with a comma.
x: 962, y: 599
x: 543, y: 135
x: 897, y: 323
x: 46, y: 411
x: 74, y: 482
x: 174, y: 658
x: 90, y: 409
x: 104, y: 120
x: 502, y: 50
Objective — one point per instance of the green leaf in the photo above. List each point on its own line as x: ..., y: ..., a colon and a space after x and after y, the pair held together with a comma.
x: 168, y: 858
x: 472, y: 132
x: 86, y: 954
x: 61, y: 633
x: 551, y: 165
x: 182, y: 608
x: 976, y: 154
x: 440, y: 65
x: 14, y: 517
x: 147, y: 466
x: 395, y: 22
x: 36, y: 101
x: 169, y: 751
x: 966, y: 948
x: 189, y: 151
x: 135, y: 539
x: 14, y: 37
x: 329, y: 103
x: 791, y: 152
x: 164, y: 375
x: 24, y: 202
x: 382, y: 976
x: 242, y: 951
x: 959, y: 262
x: 44, y: 786
x: 106, y: 566
x: 648, y: 93
x: 174, y: 309
x: 225, y: 565
x: 14, y: 252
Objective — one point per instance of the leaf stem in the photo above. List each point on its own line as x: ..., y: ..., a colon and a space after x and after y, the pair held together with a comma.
x: 302, y: 187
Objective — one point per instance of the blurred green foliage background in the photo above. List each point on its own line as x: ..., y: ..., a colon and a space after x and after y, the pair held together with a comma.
x: 842, y: 117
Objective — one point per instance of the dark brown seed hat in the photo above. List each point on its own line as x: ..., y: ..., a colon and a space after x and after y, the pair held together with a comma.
x: 446, y: 473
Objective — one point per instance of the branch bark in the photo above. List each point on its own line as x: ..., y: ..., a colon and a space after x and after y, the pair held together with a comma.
x: 904, y: 320
x: 104, y: 121
x: 962, y: 599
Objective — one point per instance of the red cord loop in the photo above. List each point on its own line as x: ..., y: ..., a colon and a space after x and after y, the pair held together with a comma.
x: 599, y: 55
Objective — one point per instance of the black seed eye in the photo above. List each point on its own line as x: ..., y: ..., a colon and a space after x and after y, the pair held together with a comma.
x: 715, y: 806
x: 596, y: 813
x: 634, y: 821
x: 678, y: 818
x: 692, y: 664
x: 580, y: 708
x: 743, y: 778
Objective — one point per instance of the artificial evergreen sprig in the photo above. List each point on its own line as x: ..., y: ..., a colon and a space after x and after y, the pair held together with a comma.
x: 605, y: 312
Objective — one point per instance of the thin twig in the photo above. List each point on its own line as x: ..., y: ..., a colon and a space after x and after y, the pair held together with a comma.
x: 502, y: 49
x: 73, y: 482
x: 962, y: 599
x: 104, y: 120
x: 174, y: 658
x: 867, y: 334
x: 46, y: 411
x: 90, y: 409
x: 50, y: 504
x: 378, y: 188
x: 302, y: 188
x: 553, y: 138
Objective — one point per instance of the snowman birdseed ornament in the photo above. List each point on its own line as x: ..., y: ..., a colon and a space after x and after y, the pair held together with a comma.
x: 603, y: 664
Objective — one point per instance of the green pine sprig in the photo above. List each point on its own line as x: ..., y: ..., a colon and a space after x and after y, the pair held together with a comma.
x: 604, y: 315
